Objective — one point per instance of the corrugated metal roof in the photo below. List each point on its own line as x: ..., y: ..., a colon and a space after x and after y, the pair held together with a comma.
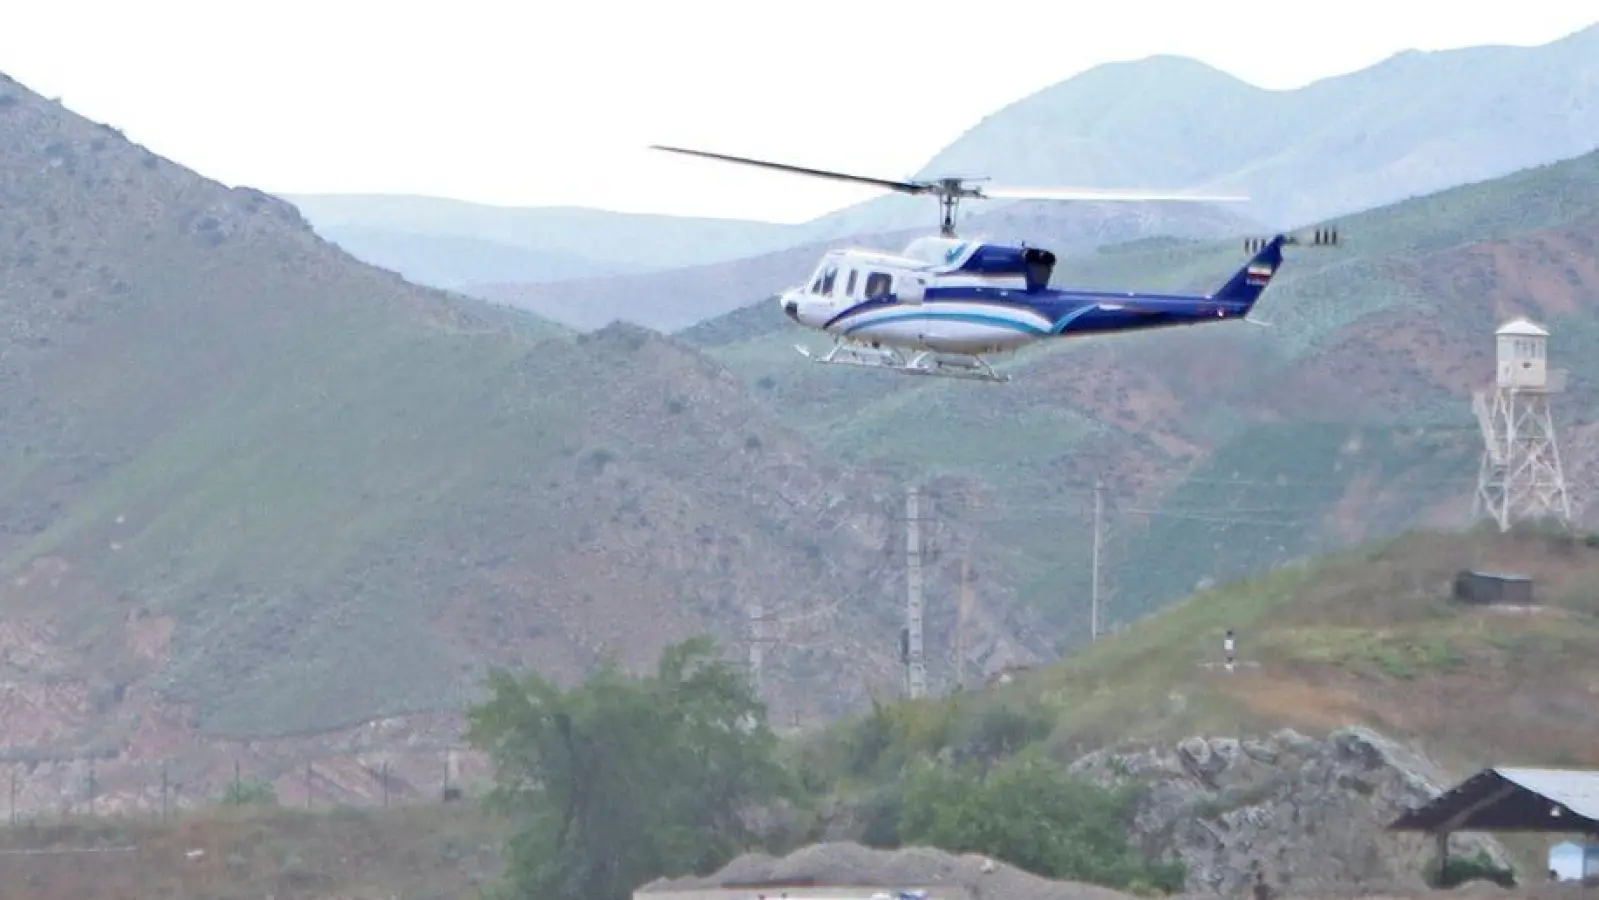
x: 1501, y: 576
x: 1575, y: 789
x: 1511, y: 799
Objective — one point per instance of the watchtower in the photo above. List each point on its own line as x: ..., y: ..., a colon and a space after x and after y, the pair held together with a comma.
x: 1520, y: 477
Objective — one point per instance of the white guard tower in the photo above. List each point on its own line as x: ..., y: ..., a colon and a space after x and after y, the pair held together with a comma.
x: 1520, y: 478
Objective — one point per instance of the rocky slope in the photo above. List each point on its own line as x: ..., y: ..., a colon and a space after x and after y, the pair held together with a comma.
x: 1310, y: 813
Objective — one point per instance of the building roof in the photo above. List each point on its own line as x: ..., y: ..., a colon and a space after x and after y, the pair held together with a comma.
x: 1500, y: 576
x: 1521, y: 326
x: 1512, y: 799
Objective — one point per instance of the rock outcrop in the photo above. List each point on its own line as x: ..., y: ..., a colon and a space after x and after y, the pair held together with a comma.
x: 1311, y: 812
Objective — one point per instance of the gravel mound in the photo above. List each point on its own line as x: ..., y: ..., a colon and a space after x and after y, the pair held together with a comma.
x: 946, y: 876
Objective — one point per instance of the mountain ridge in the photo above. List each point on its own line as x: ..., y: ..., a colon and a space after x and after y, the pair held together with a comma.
x: 1407, y: 126
x: 1039, y: 139
x: 243, y: 466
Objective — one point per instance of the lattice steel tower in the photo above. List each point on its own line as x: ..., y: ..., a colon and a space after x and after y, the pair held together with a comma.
x: 1520, y: 477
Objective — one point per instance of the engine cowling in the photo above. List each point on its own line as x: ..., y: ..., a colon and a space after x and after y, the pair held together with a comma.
x: 1035, y: 265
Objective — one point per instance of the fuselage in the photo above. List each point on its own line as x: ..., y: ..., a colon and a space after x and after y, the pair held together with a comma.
x: 973, y: 297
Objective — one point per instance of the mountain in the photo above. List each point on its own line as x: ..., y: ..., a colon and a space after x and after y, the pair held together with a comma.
x: 679, y: 298
x: 450, y: 262
x: 1226, y: 450
x: 259, y: 498
x: 629, y: 241
x: 1415, y: 123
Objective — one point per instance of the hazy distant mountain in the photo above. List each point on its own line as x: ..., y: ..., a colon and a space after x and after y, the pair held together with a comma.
x: 1415, y: 123
x: 449, y: 261
x: 630, y: 240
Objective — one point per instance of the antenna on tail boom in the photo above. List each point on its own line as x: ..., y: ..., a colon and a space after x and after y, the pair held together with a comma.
x: 1320, y: 237
x: 1316, y: 237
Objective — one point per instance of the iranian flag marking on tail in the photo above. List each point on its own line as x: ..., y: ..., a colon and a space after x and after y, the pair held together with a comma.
x: 1258, y: 273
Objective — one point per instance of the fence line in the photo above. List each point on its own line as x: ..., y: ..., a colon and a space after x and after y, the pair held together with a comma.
x: 67, y: 851
x: 62, y: 787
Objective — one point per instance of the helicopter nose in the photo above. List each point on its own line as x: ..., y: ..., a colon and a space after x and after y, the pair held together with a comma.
x: 790, y: 307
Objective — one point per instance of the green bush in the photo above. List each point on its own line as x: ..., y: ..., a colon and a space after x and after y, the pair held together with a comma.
x: 1461, y: 869
x: 250, y: 793
x: 1030, y: 814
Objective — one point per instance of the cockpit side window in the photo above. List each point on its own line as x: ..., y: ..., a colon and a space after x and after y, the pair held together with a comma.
x: 828, y: 279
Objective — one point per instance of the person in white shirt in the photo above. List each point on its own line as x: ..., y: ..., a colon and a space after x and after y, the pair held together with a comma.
x: 1227, y: 647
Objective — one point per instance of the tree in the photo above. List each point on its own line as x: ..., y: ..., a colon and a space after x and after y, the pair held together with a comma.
x: 1033, y: 816
x: 623, y: 779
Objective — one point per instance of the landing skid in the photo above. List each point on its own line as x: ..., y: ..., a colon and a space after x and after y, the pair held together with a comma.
x: 925, y: 362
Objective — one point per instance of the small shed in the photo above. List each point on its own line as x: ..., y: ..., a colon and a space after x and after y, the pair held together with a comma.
x: 1493, y: 588
x: 1504, y: 799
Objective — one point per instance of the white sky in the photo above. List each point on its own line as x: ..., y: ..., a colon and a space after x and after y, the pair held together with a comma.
x: 552, y: 102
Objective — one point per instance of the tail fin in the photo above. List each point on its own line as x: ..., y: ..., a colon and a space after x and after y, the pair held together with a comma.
x: 1246, y: 285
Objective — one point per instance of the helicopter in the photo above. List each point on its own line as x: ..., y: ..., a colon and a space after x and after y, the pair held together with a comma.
x: 944, y: 303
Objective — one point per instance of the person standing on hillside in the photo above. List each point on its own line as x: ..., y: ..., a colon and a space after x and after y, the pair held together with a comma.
x: 1261, y: 890
x: 1227, y: 647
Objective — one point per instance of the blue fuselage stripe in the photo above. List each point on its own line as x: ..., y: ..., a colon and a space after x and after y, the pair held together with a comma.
x: 946, y: 315
x: 1061, y: 308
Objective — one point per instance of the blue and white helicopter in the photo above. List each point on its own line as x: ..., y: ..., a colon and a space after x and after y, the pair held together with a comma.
x: 943, y: 303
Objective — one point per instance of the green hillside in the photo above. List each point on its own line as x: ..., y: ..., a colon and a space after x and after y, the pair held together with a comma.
x: 1226, y: 448
x: 1367, y: 636
x: 253, y: 487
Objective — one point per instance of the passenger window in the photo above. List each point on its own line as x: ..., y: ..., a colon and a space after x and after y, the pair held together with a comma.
x: 849, y: 287
x: 877, y: 285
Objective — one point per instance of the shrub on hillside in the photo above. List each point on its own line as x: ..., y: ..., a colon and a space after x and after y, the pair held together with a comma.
x: 1032, y: 815
x: 1462, y: 869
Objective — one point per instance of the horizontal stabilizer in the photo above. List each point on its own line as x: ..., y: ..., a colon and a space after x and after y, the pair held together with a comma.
x: 1318, y: 237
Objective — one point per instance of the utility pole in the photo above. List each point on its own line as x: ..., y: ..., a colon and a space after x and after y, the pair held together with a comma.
x: 1093, y: 609
x: 755, y: 647
x: 960, y: 624
x: 915, y: 672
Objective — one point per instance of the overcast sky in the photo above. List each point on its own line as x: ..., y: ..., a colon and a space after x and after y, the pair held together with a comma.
x: 546, y: 103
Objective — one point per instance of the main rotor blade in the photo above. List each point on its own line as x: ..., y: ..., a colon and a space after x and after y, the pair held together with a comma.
x: 908, y: 187
x: 1013, y: 193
